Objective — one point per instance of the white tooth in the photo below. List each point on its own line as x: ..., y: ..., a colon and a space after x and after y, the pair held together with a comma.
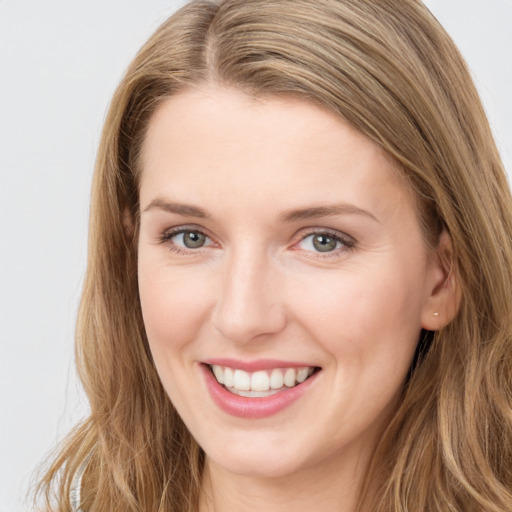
x: 289, y: 377
x: 219, y: 374
x: 260, y: 381
x: 276, y: 379
x: 302, y: 374
x: 257, y: 394
x: 241, y: 380
x: 228, y: 377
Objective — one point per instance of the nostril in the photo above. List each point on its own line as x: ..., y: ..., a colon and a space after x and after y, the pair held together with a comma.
x: 248, y: 306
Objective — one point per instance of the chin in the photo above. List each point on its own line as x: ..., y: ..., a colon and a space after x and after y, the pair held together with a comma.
x: 256, y: 461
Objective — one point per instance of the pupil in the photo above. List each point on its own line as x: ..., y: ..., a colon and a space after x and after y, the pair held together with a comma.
x: 324, y: 243
x: 193, y: 239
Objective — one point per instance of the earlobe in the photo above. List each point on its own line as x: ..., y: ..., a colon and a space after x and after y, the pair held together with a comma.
x: 444, y: 295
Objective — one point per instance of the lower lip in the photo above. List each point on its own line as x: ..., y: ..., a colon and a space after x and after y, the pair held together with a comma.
x: 255, y: 407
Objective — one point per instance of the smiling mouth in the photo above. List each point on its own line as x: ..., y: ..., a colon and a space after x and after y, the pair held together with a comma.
x: 261, y: 383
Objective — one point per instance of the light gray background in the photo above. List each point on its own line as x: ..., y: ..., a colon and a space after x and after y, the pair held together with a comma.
x: 60, y: 61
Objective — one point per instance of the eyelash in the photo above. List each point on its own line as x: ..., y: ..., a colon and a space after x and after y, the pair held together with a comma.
x: 166, y: 237
x: 347, y: 242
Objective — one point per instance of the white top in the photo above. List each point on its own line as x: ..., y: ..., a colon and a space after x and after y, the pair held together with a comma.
x: 75, y: 497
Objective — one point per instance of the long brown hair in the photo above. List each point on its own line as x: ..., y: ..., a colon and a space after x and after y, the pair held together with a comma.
x: 391, y: 71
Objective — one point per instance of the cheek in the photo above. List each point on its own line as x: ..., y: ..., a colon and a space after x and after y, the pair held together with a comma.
x: 365, y: 318
x: 173, y: 310
x: 173, y: 305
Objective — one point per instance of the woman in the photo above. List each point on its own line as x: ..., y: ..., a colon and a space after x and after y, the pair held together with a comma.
x: 298, y: 292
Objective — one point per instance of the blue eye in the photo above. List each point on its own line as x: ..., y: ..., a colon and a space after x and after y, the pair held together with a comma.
x: 187, y: 239
x: 191, y: 239
x: 322, y: 242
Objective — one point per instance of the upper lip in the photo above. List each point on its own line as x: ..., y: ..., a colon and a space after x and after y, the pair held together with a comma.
x: 257, y: 364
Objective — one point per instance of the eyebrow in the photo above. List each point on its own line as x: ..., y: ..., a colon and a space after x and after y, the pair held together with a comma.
x: 178, y: 208
x: 314, y: 212
x: 317, y: 212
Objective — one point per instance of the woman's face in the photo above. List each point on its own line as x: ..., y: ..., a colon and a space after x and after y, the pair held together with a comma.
x: 278, y: 244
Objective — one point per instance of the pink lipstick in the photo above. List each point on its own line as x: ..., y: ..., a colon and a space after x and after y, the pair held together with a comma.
x: 271, y: 387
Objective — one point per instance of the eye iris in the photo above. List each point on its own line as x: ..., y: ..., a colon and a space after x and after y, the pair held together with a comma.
x: 193, y: 239
x: 324, y: 243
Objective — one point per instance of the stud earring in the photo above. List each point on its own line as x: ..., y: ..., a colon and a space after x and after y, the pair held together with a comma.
x: 436, y: 313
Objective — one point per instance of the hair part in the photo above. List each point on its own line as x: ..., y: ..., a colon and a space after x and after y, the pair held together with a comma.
x: 391, y: 71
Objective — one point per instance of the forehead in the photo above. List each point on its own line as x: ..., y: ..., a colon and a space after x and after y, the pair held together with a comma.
x: 213, y: 143
x: 211, y: 113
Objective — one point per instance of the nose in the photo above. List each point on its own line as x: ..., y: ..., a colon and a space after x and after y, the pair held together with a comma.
x: 250, y: 304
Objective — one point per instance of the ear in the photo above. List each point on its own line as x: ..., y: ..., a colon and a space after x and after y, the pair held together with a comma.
x: 443, y: 291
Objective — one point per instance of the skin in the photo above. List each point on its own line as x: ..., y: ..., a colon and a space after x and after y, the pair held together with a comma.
x: 259, y: 289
